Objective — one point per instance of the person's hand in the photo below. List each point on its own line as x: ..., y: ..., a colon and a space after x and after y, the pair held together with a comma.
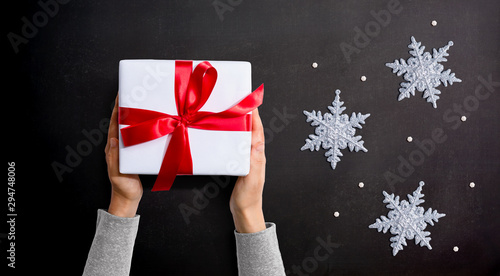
x: 246, y: 199
x: 126, y: 189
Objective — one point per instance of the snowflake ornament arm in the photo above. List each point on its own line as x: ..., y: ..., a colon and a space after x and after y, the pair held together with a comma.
x: 407, y: 220
x: 423, y: 72
x: 335, y: 131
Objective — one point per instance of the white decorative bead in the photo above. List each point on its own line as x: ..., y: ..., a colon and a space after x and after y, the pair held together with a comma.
x: 434, y: 23
x: 472, y: 184
x: 463, y: 118
x: 361, y: 184
x: 336, y: 214
x: 314, y: 65
x: 455, y: 248
x: 363, y: 78
x: 409, y: 139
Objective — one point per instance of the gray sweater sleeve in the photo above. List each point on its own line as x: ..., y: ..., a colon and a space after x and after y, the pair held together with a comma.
x: 111, y: 250
x: 259, y: 253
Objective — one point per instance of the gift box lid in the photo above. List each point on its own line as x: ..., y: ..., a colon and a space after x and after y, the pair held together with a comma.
x: 149, y: 84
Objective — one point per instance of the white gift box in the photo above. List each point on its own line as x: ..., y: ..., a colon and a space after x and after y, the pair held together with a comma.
x: 149, y: 84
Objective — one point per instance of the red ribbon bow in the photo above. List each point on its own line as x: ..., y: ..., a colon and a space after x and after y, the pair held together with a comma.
x: 192, y: 90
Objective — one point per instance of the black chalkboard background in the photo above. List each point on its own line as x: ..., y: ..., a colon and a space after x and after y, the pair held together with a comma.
x: 62, y: 77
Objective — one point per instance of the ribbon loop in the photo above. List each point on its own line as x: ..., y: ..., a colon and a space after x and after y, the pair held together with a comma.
x: 192, y: 90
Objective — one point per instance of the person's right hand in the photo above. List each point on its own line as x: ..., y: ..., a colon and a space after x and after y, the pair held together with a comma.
x: 246, y: 199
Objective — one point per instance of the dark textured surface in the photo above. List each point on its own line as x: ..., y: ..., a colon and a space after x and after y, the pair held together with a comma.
x: 62, y: 83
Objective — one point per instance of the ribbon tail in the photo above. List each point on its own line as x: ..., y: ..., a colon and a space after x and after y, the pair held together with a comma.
x: 173, y: 160
x: 248, y: 104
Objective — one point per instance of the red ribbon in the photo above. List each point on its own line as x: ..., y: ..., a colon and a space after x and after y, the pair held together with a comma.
x: 192, y: 90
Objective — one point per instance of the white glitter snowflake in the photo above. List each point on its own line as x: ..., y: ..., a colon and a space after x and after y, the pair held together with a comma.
x: 335, y: 131
x: 407, y: 220
x: 423, y: 71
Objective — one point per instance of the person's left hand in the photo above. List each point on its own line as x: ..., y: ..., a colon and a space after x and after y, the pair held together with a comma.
x: 126, y: 189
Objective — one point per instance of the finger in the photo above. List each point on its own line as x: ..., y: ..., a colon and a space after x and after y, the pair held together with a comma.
x: 257, y: 155
x: 113, y: 125
x: 112, y: 157
x: 258, y: 137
